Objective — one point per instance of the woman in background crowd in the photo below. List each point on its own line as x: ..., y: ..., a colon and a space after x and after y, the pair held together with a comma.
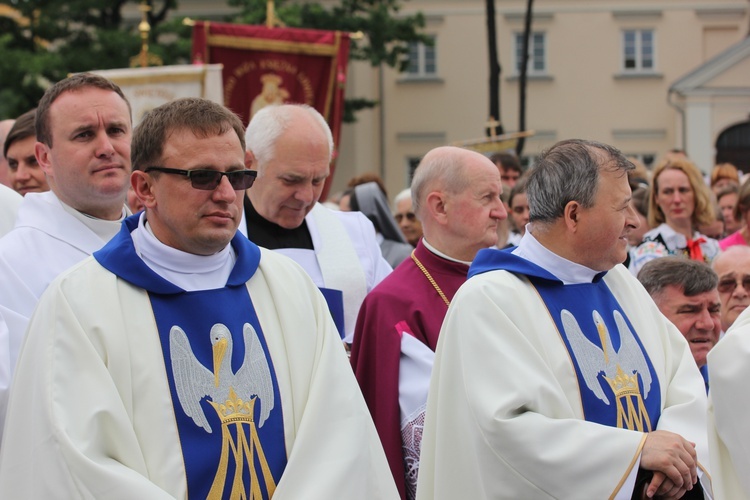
x: 742, y: 216
x: 723, y: 175
x: 679, y: 202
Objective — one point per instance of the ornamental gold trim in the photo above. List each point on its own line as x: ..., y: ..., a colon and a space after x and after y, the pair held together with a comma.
x: 233, y: 42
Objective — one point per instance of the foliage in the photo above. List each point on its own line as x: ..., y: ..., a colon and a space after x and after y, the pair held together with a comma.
x: 386, y: 33
x: 54, y: 39
x: 58, y: 38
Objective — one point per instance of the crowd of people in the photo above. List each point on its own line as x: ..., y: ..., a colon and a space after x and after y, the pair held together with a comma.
x: 174, y: 298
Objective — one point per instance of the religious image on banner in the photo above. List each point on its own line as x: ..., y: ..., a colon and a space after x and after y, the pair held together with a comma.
x: 272, y: 93
x: 264, y: 66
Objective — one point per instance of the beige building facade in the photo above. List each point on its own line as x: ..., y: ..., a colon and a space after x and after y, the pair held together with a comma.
x: 646, y: 76
x: 627, y: 73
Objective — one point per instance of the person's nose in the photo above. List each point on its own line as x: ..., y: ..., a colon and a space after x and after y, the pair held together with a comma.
x: 305, y: 194
x: 631, y: 219
x: 104, y: 147
x: 704, y: 321
x: 224, y: 191
x: 23, y: 172
x: 498, y: 212
x: 739, y: 291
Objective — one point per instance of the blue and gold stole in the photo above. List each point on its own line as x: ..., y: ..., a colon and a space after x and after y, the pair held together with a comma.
x: 221, y: 376
x: 616, y: 379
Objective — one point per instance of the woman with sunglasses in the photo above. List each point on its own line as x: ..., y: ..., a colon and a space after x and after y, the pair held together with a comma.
x: 679, y: 202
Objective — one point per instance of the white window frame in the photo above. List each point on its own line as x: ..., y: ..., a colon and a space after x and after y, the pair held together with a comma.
x: 423, y: 68
x: 536, y: 63
x: 639, y: 48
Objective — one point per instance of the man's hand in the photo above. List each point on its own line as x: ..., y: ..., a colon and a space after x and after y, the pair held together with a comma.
x: 674, y: 462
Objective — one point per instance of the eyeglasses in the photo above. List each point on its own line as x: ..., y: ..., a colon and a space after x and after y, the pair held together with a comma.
x: 208, y: 180
x: 728, y: 285
x: 409, y: 216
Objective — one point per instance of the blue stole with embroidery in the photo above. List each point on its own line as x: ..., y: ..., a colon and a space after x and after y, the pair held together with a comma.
x: 221, y: 377
x: 617, y: 381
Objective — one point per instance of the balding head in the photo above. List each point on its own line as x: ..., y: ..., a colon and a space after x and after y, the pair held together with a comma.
x: 733, y: 268
x: 456, y: 196
x: 5, y: 126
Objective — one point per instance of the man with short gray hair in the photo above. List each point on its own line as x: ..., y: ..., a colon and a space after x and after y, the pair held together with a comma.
x: 405, y: 217
x: 685, y: 292
x: 556, y: 375
x: 291, y: 146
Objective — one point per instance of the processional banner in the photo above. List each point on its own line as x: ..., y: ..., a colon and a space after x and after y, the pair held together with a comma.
x: 263, y: 66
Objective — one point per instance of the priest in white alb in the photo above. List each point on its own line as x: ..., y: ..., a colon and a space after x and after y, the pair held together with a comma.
x: 555, y: 375
x: 182, y: 360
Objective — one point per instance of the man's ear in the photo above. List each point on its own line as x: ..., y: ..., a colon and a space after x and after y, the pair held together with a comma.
x: 41, y: 151
x: 435, y: 203
x: 572, y: 214
x: 143, y: 186
x: 249, y: 159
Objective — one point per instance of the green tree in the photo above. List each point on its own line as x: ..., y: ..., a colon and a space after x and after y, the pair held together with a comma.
x: 386, y: 36
x: 53, y: 39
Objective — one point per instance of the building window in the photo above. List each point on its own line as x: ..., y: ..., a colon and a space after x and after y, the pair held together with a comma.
x: 422, y: 60
x: 412, y: 164
x: 638, y: 50
x: 537, y: 62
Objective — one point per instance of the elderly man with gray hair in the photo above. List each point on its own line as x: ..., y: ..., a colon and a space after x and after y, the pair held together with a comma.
x: 291, y: 146
x: 685, y: 292
x: 556, y: 376
x: 406, y: 219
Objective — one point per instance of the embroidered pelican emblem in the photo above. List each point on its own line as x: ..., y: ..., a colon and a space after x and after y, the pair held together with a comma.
x: 233, y: 396
x: 621, y: 368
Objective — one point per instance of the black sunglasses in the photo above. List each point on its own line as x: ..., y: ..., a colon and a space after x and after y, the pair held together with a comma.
x: 728, y: 285
x: 409, y: 216
x: 208, y: 180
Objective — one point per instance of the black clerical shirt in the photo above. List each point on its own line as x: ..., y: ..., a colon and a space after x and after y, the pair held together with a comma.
x: 265, y: 233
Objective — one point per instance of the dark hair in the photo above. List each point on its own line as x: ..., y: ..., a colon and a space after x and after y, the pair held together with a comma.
x: 23, y: 128
x: 507, y: 161
x: 365, y: 178
x: 691, y: 276
x: 73, y: 83
x: 202, y: 117
x: 640, y: 199
x: 519, y: 188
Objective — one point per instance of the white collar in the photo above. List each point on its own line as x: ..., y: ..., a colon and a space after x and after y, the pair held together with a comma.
x: 441, y: 254
x: 567, y: 271
x: 188, y: 271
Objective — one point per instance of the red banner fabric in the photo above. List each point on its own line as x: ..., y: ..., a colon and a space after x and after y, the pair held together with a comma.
x: 265, y: 66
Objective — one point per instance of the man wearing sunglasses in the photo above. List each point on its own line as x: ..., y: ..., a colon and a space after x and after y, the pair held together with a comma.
x: 291, y: 146
x: 405, y: 217
x: 685, y: 292
x: 83, y: 131
x: 183, y: 361
x: 733, y: 268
